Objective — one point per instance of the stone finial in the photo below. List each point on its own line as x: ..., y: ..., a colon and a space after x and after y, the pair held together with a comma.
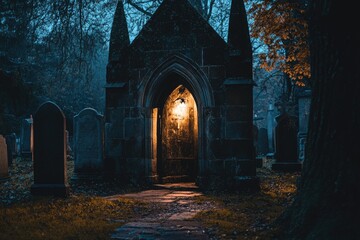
x: 238, y: 36
x: 240, y: 50
x: 119, y: 38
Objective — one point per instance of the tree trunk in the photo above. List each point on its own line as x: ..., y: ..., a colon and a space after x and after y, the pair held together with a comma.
x: 326, y: 206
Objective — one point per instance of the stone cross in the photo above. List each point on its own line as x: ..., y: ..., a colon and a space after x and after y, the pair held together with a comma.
x: 49, y: 151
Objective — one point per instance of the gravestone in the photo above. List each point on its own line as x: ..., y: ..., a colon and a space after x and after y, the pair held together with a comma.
x: 18, y: 147
x: 270, y: 129
x: 69, y: 151
x: 88, y: 144
x: 262, y: 143
x: 255, y: 137
x: 301, y: 145
x: 304, y: 102
x: 286, y: 154
x: 4, y: 171
x: 49, y: 152
x: 26, y: 138
x: 9, y: 152
x: 11, y: 147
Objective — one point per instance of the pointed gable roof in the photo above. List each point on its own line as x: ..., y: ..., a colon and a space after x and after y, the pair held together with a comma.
x: 119, y: 37
x: 238, y: 35
x: 177, y: 18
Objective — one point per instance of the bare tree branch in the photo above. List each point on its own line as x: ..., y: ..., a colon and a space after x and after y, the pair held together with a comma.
x: 137, y: 7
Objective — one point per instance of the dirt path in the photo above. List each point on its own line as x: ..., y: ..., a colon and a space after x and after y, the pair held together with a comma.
x: 174, y: 220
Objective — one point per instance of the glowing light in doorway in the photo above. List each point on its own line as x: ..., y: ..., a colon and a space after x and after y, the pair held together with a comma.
x: 180, y: 109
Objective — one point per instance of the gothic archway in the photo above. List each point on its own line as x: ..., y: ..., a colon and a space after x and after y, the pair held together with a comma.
x: 174, y: 74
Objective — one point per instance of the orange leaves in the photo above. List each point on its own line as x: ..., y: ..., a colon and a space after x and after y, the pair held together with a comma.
x: 283, y: 28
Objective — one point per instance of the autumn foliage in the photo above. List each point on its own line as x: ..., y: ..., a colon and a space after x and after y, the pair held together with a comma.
x: 282, y: 27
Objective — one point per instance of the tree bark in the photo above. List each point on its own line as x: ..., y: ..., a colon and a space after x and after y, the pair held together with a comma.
x: 326, y: 205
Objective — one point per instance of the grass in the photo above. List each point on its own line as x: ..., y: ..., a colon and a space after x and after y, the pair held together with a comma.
x: 86, y: 215
x: 250, y: 215
x: 77, y: 217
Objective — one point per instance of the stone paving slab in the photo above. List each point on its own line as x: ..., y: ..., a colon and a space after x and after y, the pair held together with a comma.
x: 170, y: 230
x: 174, y: 223
x: 165, y: 196
x: 183, y: 215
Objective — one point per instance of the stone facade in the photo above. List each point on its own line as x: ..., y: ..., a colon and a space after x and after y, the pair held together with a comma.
x: 177, y: 50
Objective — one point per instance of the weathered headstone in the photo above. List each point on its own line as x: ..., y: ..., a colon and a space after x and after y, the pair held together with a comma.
x: 301, y: 145
x: 9, y: 152
x: 270, y: 128
x: 11, y: 147
x: 18, y: 147
x: 26, y: 138
x: 286, y: 154
x: 49, y: 152
x: 15, y: 145
x: 262, y: 143
x: 69, y: 152
x: 88, y: 143
x: 255, y: 137
x: 4, y: 171
x: 304, y: 112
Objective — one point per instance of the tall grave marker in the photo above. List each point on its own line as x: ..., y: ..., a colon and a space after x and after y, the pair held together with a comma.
x: 4, y: 171
x: 88, y: 143
x: 26, y: 138
x: 49, y: 151
x: 270, y: 129
x: 286, y: 144
x: 304, y: 112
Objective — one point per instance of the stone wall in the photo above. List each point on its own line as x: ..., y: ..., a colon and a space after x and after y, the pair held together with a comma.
x: 177, y: 47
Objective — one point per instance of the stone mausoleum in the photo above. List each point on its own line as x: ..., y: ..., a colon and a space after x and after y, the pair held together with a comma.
x: 179, y: 103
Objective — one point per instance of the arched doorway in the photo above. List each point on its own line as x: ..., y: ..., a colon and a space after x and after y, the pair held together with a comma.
x: 156, y: 89
x: 178, y: 137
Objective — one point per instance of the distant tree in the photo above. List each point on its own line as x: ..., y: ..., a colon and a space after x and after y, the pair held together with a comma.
x: 279, y: 32
x: 60, y: 46
x: 327, y: 203
x: 283, y: 28
x: 17, y: 69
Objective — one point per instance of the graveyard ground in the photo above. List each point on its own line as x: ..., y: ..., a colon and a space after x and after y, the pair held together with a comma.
x: 90, y: 214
